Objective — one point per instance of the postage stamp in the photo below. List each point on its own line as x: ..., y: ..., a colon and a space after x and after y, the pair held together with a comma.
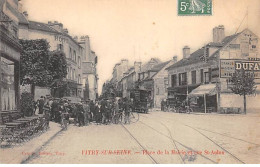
x: 194, y: 7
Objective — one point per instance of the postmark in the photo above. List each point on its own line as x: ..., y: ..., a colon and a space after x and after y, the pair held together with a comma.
x: 194, y: 7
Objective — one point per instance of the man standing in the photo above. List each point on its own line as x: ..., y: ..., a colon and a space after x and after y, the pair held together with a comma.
x: 127, y: 111
x: 54, y: 109
x: 86, y: 113
x: 103, y: 109
x: 46, y: 110
x: 80, y: 114
x: 92, y: 110
x: 162, y: 105
x: 41, y: 104
x: 98, y: 115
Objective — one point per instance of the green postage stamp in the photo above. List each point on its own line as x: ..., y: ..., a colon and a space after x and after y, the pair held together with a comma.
x: 194, y: 7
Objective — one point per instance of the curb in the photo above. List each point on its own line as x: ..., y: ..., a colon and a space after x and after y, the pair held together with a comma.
x: 37, y: 150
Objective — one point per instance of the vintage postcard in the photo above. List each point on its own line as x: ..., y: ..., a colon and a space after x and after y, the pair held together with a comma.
x: 129, y: 82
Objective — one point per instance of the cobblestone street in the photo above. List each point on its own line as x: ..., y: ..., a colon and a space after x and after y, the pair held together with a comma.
x: 159, y: 137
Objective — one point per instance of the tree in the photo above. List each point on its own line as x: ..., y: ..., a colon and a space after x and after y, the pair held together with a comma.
x: 39, y: 66
x: 57, y: 65
x: 243, y: 84
x: 108, y: 90
x: 27, y: 104
x: 34, y: 60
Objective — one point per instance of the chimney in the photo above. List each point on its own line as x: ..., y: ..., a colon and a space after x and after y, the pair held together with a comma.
x: 174, y: 59
x: 66, y: 30
x: 186, y: 52
x: 124, y: 65
x: 84, y: 38
x: 25, y: 14
x: 56, y: 25
x: 75, y: 38
x: 152, y: 63
x: 124, y: 61
x: 218, y: 34
x: 137, y: 66
x: 20, y: 7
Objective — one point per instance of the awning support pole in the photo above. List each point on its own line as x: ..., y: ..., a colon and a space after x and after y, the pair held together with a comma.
x: 205, y: 103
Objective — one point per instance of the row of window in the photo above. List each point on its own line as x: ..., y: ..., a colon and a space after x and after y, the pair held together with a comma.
x: 72, y: 54
x: 72, y: 75
x: 205, y: 77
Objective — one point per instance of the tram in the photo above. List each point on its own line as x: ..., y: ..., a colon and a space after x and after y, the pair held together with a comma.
x: 140, y: 100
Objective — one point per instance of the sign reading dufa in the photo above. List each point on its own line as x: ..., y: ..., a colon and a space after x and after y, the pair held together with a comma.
x: 229, y: 66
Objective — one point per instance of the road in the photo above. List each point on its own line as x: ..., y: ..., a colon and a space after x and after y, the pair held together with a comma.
x: 159, y: 138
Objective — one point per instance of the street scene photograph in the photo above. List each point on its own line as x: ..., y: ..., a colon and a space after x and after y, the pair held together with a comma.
x: 129, y: 82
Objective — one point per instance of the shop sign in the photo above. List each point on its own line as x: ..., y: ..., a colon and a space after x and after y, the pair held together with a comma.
x: 229, y: 66
x: 61, y: 39
x: 9, y: 51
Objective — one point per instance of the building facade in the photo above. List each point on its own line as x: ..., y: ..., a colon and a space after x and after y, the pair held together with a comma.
x: 119, y: 71
x: 160, y: 82
x: 203, y: 76
x: 137, y: 76
x: 89, y: 70
x: 59, y: 40
x: 9, y: 60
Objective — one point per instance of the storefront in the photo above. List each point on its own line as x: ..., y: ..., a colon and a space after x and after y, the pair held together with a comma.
x: 204, y: 98
x: 9, y: 71
x: 177, y: 95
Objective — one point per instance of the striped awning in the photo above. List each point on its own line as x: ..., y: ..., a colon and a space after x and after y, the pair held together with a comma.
x: 208, y: 89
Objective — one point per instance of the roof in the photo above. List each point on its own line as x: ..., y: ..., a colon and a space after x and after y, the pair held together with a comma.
x: 41, y: 26
x: 22, y: 19
x: 45, y: 27
x: 160, y: 66
x: 195, y: 56
x: 20, y: 16
x: 129, y: 72
x: 225, y: 42
x: 147, y: 66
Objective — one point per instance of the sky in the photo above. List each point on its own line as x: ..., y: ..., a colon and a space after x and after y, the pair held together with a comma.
x: 139, y: 30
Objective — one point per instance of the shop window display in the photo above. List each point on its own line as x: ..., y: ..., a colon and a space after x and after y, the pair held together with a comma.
x: 7, y: 87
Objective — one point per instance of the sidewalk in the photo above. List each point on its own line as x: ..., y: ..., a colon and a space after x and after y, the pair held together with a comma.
x: 255, y: 112
x: 18, y: 154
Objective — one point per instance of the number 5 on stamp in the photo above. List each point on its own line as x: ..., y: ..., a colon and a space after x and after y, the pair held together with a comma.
x: 194, y: 7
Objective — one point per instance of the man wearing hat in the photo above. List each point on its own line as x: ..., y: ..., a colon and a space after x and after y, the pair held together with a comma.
x: 80, y: 114
x: 86, y: 112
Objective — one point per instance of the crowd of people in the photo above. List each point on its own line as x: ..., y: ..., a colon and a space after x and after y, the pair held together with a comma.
x: 82, y: 113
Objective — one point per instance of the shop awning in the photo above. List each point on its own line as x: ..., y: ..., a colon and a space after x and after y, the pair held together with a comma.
x: 208, y: 89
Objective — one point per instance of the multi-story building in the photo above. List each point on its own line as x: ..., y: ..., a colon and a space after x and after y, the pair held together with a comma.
x: 118, y: 73
x: 82, y: 75
x: 204, y: 75
x: 160, y: 82
x: 136, y: 75
x: 60, y: 40
x: 90, y: 76
x: 119, y: 70
x: 9, y: 60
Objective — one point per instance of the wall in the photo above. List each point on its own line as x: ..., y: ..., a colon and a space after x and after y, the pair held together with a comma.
x: 92, y: 86
x: 245, y: 51
x: 41, y: 91
x: 159, y: 83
